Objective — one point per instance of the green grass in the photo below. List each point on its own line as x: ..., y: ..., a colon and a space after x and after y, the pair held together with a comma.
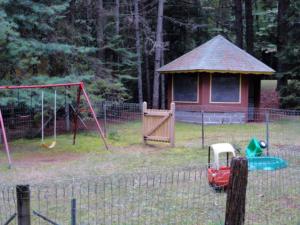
x: 127, y: 152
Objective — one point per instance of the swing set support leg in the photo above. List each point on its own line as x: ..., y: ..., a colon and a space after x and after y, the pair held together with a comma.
x: 76, y: 114
x: 5, y: 140
x: 94, y: 115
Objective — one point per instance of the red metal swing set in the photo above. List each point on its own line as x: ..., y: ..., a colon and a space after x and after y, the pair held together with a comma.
x: 81, y: 90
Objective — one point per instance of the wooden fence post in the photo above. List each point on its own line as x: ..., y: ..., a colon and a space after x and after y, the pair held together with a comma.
x: 236, y: 192
x: 172, y: 128
x: 73, y: 211
x: 23, y: 204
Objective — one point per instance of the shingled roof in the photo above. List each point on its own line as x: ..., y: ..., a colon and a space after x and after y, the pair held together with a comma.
x: 217, y: 55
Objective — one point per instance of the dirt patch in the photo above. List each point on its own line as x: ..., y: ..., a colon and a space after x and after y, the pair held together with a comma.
x: 148, y: 148
x: 289, y: 203
x: 40, y: 158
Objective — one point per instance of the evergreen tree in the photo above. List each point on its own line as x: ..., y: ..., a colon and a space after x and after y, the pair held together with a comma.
x: 55, y: 40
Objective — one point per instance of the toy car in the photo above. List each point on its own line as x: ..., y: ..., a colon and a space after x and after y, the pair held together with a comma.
x: 218, y: 175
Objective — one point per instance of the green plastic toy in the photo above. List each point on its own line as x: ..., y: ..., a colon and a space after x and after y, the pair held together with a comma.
x: 254, y: 149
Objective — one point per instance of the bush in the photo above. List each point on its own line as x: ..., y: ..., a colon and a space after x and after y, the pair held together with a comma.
x: 290, y: 95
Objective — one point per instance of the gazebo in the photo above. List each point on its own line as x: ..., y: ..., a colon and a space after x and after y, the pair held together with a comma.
x: 217, y: 77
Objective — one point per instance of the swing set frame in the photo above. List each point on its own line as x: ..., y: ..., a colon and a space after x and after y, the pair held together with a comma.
x: 80, y: 91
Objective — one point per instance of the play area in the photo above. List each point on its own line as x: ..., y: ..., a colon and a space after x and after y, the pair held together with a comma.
x: 149, y: 112
x: 142, y: 158
x: 49, y: 111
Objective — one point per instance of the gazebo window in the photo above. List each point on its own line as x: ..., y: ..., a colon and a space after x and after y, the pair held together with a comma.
x: 185, y: 88
x: 225, y: 88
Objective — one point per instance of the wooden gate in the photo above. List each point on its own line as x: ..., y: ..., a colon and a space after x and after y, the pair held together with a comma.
x: 159, y: 125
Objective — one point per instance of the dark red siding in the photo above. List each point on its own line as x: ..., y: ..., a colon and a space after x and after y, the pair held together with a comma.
x: 204, y: 95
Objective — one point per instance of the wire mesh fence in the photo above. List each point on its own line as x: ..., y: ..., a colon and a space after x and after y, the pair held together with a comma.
x: 275, y: 126
x: 236, y: 125
x: 114, y: 114
x: 179, y: 196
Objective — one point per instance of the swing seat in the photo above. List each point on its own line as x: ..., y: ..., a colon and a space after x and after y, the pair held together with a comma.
x: 52, y: 145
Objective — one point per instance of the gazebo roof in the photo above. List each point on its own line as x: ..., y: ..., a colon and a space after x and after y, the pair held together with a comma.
x: 217, y: 55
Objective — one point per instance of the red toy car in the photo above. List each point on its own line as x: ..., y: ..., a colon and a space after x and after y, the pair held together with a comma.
x: 218, y: 175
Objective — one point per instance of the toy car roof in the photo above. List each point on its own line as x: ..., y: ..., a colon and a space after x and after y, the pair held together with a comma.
x: 221, y: 148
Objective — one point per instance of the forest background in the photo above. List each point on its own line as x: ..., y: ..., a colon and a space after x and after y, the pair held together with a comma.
x: 115, y: 46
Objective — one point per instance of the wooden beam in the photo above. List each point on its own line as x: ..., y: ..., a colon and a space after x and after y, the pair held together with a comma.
x: 157, y: 138
x: 236, y: 192
x: 23, y: 204
x: 94, y: 116
x: 5, y: 139
x: 158, y: 125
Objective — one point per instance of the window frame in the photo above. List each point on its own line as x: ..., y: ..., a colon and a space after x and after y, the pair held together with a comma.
x: 240, y: 91
x: 192, y: 102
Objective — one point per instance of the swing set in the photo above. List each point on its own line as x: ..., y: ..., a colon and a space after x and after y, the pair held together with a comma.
x: 80, y: 91
x: 53, y: 144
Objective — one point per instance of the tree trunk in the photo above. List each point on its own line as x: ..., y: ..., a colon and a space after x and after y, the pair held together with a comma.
x: 249, y: 26
x: 257, y: 25
x: 218, y: 11
x: 148, y: 84
x: 238, y: 11
x: 236, y: 193
x: 163, y: 89
x: 117, y: 15
x: 138, y: 49
x: 282, y: 30
x: 72, y: 12
x: 158, y: 48
x: 99, y: 34
x: 87, y: 6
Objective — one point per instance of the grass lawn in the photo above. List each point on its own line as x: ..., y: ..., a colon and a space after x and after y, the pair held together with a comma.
x: 34, y: 164
x: 184, y: 202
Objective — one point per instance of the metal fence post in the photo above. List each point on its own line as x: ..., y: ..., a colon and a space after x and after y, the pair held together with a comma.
x: 236, y: 193
x: 144, y: 112
x: 202, y: 128
x: 105, y: 118
x: 73, y: 211
x: 172, y: 127
x: 67, y: 112
x: 23, y: 204
x: 267, y: 131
